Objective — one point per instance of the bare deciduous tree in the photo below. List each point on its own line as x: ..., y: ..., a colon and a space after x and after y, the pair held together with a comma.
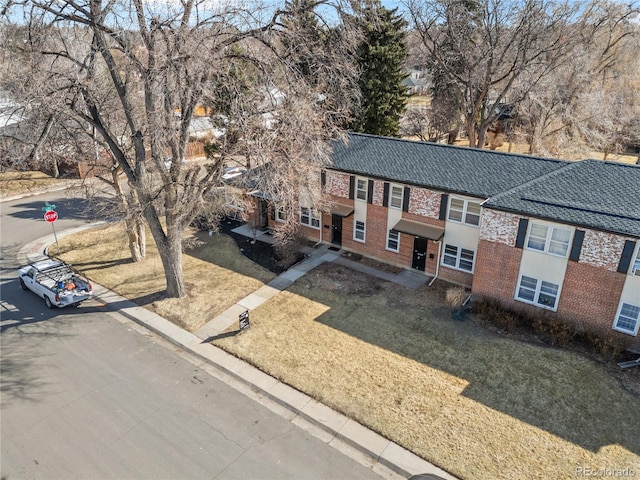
x: 488, y: 48
x: 134, y: 72
x: 553, y: 112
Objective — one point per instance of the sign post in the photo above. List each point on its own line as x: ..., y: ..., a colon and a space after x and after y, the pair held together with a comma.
x: 243, y: 318
x: 50, y: 216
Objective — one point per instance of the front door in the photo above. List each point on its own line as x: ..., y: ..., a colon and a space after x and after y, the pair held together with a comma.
x: 419, y: 253
x: 336, y: 229
x: 263, y: 214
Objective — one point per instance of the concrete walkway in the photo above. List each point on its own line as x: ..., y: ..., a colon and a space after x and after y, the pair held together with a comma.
x: 314, y: 257
x: 383, y: 456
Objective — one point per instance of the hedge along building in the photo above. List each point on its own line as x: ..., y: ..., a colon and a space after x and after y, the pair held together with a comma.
x: 533, y: 233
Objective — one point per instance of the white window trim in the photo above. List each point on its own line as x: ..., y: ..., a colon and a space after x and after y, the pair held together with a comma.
x: 279, y: 216
x: 387, y: 244
x: 635, y: 263
x: 364, y: 231
x: 624, y: 330
x: 361, y: 191
x: 537, y: 294
x: 547, y: 242
x: 465, y: 207
x: 392, y: 197
x: 458, y: 258
x: 311, y: 217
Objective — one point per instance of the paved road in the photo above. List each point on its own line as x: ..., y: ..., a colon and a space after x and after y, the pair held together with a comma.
x: 88, y: 394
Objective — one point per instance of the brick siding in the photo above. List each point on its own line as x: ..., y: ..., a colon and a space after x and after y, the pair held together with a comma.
x: 378, y: 192
x: 424, y: 202
x: 590, y: 296
x: 455, y: 276
x: 500, y: 227
x: 337, y: 184
x: 496, y: 271
x: 601, y: 249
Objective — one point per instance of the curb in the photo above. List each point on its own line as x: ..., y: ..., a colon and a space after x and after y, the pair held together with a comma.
x: 383, y: 456
x: 378, y: 449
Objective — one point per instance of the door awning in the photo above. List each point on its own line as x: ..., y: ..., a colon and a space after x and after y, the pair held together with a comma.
x: 341, y: 210
x: 420, y: 229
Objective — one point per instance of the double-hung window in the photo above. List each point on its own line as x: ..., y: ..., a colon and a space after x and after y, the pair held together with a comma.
x: 307, y: 218
x: 395, y: 197
x: 627, y: 319
x: 358, y: 231
x: 464, y: 211
x: 281, y: 215
x: 361, y: 189
x: 538, y: 292
x: 552, y: 240
x: 393, y: 240
x: 459, y: 258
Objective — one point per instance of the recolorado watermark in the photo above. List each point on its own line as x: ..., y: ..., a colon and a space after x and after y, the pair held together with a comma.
x: 605, y: 472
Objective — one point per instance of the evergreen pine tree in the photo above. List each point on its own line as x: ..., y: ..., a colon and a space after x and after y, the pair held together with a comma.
x: 381, y: 57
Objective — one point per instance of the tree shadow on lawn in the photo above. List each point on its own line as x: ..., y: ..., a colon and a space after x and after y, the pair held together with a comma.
x: 560, y: 392
x: 258, y: 252
x: 100, y: 265
x: 72, y: 207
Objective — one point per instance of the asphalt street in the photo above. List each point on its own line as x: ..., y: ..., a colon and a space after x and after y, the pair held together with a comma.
x: 86, y: 393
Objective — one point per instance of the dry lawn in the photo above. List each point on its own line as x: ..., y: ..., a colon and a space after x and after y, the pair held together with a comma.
x: 216, y: 274
x: 478, y: 405
x: 14, y: 183
x: 523, y: 149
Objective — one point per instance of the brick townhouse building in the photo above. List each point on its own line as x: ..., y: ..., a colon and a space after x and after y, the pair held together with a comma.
x: 533, y: 233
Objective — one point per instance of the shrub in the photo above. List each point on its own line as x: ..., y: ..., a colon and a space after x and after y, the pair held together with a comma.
x: 608, y: 344
x: 455, y: 296
x: 497, y: 315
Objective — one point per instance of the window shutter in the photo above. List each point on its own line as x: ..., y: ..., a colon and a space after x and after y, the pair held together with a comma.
x: 370, y: 192
x: 444, y: 201
x: 405, y: 199
x: 385, y: 195
x: 323, y: 178
x: 272, y: 212
x: 522, y: 232
x: 625, y: 259
x: 576, y: 248
x: 352, y: 186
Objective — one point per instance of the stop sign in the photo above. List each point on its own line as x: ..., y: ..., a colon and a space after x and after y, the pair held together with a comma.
x: 51, y: 216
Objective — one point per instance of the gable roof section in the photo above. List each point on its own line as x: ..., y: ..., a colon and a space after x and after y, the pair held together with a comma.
x: 590, y: 193
x: 469, y: 171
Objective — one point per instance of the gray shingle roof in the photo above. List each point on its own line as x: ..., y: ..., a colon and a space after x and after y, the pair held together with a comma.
x: 590, y: 193
x: 470, y: 171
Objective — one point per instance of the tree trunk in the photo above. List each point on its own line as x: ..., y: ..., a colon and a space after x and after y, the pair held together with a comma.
x: 171, y: 256
x: 134, y: 224
x: 55, y: 171
x: 170, y: 251
x: 471, y: 133
x: 137, y: 238
x: 481, y: 138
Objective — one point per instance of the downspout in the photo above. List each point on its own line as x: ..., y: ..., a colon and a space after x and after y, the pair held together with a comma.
x: 437, y: 263
x: 321, y: 227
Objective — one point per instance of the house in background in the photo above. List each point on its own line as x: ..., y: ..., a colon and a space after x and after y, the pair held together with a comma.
x: 533, y: 233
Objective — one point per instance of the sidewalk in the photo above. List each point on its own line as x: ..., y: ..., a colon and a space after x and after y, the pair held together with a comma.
x: 376, y: 452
